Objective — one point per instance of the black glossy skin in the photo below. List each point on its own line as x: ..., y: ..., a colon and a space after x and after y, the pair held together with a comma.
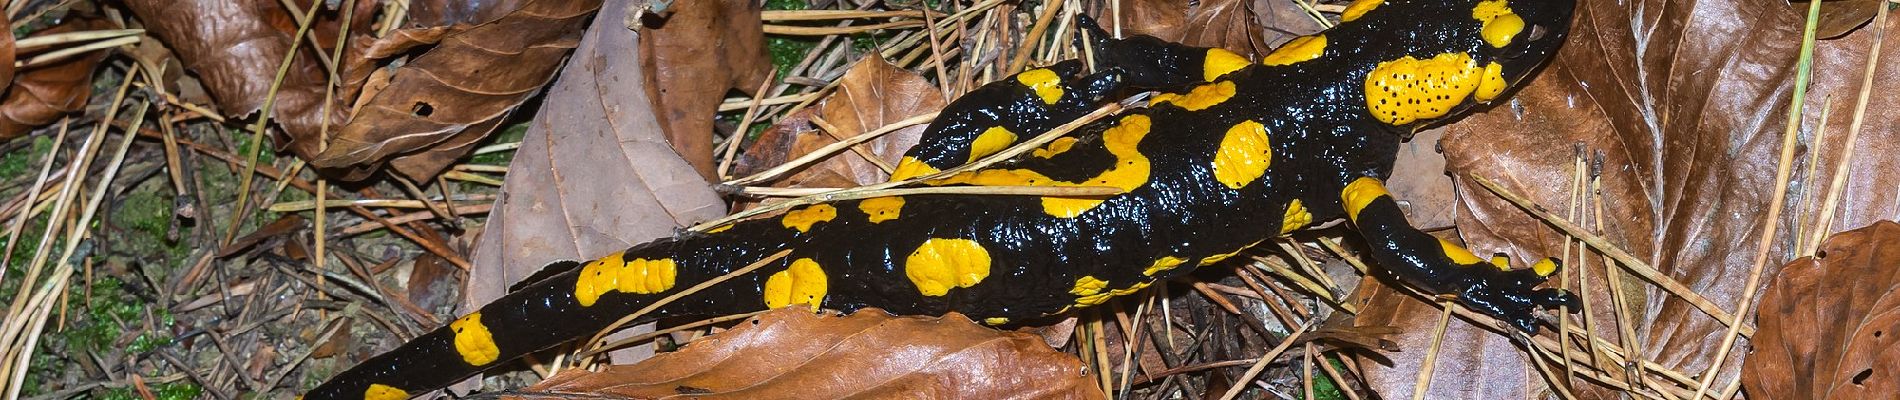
x: 1321, y: 135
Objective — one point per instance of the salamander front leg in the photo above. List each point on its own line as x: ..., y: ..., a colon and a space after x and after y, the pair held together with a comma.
x: 1443, y: 268
x: 998, y: 115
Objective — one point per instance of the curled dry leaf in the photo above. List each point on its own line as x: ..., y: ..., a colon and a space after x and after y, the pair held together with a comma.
x: 235, y: 48
x: 593, y: 175
x: 1829, y: 323
x: 1840, y: 17
x: 41, y: 95
x: 794, y: 354
x: 1687, y: 113
x: 692, y: 58
x: 430, y: 13
x: 437, y: 107
x: 871, y: 94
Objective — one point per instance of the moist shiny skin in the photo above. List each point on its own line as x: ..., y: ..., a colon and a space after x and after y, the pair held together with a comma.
x: 1232, y: 151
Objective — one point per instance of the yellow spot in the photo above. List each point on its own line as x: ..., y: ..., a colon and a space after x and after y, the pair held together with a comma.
x: 1087, y: 285
x: 1243, y: 156
x: 1458, y: 254
x: 1544, y: 267
x: 880, y: 209
x: 473, y: 341
x: 643, y: 276
x: 1163, y: 264
x: 1296, y: 217
x: 991, y: 141
x: 1131, y: 289
x: 1200, y: 98
x: 1503, y: 263
x: 1299, y: 49
x: 1359, y: 9
x: 378, y: 391
x: 1058, y: 146
x: 802, y: 283
x: 1500, y: 23
x: 995, y: 320
x: 802, y: 219
x: 721, y: 228
x: 1220, y: 62
x: 940, y: 264
x: 596, y: 278
x: 1210, y: 260
x: 1046, y: 83
x: 910, y: 167
x: 1401, y: 91
x: 1130, y: 171
x: 1492, y: 84
x: 1360, y: 193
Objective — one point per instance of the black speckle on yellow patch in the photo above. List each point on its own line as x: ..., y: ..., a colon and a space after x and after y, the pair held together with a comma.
x: 473, y: 341
x: 1299, y: 49
x: 941, y: 264
x: 378, y: 391
x: 1359, y: 9
x: 1219, y: 62
x: 1360, y: 193
x: 1243, y: 156
x: 1406, y: 90
x: 1199, y: 98
x: 1046, y: 83
x: 880, y: 209
x: 802, y: 283
x: 991, y: 141
x: 802, y: 219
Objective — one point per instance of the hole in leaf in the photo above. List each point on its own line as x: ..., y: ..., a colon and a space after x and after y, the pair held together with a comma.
x: 421, y: 109
x: 1862, y: 376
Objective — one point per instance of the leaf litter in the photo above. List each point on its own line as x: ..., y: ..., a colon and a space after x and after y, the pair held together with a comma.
x: 204, y: 322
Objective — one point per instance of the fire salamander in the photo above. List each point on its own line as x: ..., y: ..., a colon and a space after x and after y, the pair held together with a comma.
x: 1230, y: 153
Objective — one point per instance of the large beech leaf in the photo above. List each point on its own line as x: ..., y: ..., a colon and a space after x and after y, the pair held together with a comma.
x: 792, y: 353
x: 439, y: 105
x: 41, y: 95
x: 1687, y: 103
x: 692, y: 58
x: 871, y: 94
x: 593, y: 174
x: 1226, y: 24
x: 235, y: 47
x: 1829, y: 323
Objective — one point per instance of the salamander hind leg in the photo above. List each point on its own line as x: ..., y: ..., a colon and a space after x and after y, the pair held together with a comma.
x: 1444, y: 268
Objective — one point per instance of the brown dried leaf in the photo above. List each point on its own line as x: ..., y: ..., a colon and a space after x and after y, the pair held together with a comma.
x: 1688, y: 113
x: 431, y: 13
x: 1829, y: 322
x: 593, y: 174
x: 1228, y: 24
x: 1841, y: 16
x: 7, y: 55
x: 235, y: 48
x: 795, y: 354
x: 440, y: 104
x: 871, y: 94
x: 692, y: 58
x: 43, y: 94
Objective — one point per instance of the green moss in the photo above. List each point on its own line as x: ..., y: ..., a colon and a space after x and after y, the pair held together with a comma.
x: 1324, y: 388
x: 146, y: 214
x: 245, y: 147
x: 19, y: 164
x: 163, y: 391
x: 787, y: 51
x: 508, y: 134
